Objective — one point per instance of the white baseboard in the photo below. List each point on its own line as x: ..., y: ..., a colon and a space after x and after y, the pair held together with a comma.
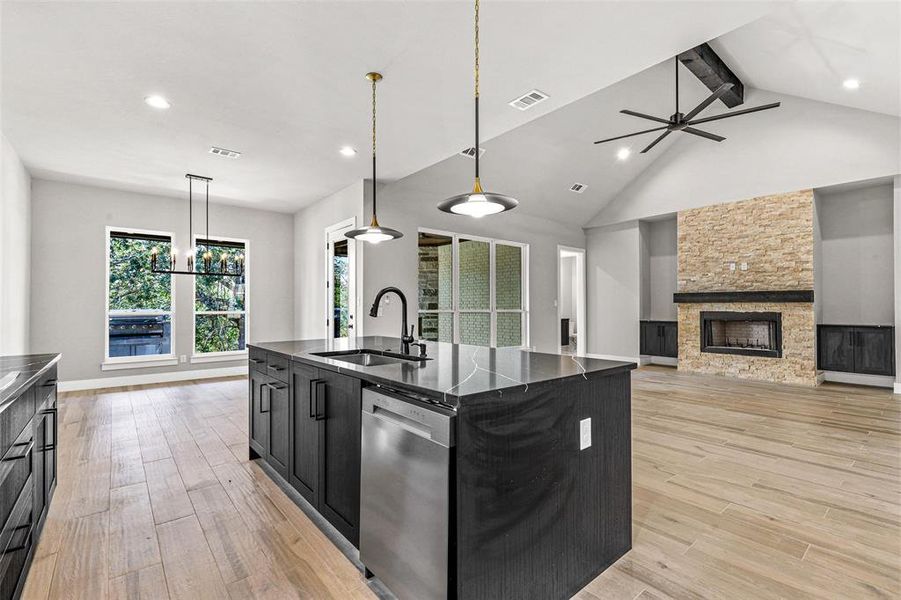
x: 109, y: 382
x: 898, y: 388
x: 885, y: 381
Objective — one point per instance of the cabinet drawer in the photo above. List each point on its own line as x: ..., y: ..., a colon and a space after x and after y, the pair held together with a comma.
x: 15, y: 542
x: 277, y: 367
x: 257, y: 359
x: 45, y: 389
x: 15, y: 470
x: 15, y: 417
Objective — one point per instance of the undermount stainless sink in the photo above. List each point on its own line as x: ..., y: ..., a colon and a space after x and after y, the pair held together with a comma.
x: 370, y: 358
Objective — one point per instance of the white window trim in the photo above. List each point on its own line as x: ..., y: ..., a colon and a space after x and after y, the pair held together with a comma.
x: 492, y: 285
x: 138, y: 362
x: 205, y: 357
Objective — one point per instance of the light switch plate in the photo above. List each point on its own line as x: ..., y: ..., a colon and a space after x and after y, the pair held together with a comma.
x: 744, y: 266
x: 731, y: 266
x: 584, y: 433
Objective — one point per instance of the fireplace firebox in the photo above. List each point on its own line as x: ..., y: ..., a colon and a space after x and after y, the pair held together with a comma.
x: 747, y: 333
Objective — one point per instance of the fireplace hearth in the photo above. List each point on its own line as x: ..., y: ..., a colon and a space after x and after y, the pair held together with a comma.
x: 746, y: 333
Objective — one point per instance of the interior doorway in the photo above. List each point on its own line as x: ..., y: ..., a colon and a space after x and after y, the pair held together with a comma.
x: 571, y: 300
x: 340, y: 282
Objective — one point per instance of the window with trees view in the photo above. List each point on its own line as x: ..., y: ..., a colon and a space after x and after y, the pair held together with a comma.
x: 139, y: 302
x: 220, y: 317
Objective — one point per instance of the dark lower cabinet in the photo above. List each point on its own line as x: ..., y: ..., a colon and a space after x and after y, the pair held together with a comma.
x: 28, y: 430
x: 304, y: 476
x: 279, y: 425
x: 308, y: 430
x: 339, y: 452
x: 258, y: 412
x: 868, y: 350
x: 659, y: 338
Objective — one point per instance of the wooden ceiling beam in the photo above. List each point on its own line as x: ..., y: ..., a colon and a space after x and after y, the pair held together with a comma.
x: 707, y: 66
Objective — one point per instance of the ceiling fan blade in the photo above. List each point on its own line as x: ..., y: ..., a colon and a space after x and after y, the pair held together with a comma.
x: 654, y: 143
x: 704, y: 134
x: 644, y: 116
x: 710, y: 100
x: 619, y: 137
x: 734, y: 113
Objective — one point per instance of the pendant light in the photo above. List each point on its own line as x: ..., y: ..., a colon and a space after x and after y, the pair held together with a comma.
x: 221, y: 269
x: 373, y: 233
x: 478, y: 203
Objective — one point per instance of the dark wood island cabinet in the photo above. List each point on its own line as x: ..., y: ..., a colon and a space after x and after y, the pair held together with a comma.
x: 28, y: 434
x: 540, y: 470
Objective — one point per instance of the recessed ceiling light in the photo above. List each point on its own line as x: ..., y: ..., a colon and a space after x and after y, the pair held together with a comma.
x: 851, y: 84
x: 347, y: 151
x: 623, y: 153
x: 157, y: 102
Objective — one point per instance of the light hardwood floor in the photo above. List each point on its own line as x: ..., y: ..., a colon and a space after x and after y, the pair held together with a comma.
x: 741, y: 490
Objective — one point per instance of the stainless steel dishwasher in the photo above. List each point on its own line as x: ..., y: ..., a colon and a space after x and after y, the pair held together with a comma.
x: 405, y: 493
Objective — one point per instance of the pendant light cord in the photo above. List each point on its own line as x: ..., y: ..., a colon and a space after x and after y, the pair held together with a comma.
x: 477, y: 88
x: 677, y: 84
x: 206, y: 246
x: 374, y: 220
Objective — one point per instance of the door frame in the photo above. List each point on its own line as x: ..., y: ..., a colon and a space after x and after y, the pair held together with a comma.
x: 579, y: 295
x: 332, y: 234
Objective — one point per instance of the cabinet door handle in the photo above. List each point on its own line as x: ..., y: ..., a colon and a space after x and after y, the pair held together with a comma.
x: 314, y: 398
x: 320, y: 400
x: 49, y: 446
x: 262, y: 397
x: 275, y: 368
x: 49, y: 383
x: 256, y: 361
x: 273, y: 386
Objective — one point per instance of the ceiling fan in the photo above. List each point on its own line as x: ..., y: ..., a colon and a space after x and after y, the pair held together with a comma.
x: 686, y: 122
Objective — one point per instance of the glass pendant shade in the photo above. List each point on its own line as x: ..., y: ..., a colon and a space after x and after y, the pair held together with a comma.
x: 478, y: 203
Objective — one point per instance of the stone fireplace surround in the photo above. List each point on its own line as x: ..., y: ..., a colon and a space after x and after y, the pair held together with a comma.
x: 753, y: 256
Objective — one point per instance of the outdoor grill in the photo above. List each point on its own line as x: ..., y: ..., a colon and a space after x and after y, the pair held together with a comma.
x: 139, y: 335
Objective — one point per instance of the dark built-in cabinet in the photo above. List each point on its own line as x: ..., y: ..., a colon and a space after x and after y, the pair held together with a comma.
x: 659, y: 338
x: 861, y: 349
x: 305, y: 423
x: 28, y: 428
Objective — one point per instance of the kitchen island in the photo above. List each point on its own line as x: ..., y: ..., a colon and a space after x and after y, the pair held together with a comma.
x: 540, y: 470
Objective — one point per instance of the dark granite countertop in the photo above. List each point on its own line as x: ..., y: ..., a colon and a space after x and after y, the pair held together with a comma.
x: 455, y: 371
x: 29, y: 366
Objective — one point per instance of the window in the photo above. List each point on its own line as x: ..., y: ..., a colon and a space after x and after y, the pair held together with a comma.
x: 220, y: 308
x: 472, y: 290
x: 139, y: 303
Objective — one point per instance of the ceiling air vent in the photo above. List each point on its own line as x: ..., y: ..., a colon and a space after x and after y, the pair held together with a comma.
x: 578, y: 188
x: 471, y: 152
x: 224, y: 152
x: 528, y: 100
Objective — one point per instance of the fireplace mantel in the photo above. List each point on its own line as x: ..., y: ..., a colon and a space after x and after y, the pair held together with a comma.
x: 743, y: 296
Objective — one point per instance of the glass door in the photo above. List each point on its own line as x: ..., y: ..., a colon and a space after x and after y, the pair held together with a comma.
x: 340, y: 284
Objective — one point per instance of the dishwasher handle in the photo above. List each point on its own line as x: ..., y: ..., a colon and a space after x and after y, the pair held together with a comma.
x: 411, y: 416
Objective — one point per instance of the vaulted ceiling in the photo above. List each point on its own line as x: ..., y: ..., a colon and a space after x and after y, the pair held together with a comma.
x: 283, y: 83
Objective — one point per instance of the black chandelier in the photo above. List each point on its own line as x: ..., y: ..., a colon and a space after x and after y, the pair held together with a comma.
x: 222, y: 264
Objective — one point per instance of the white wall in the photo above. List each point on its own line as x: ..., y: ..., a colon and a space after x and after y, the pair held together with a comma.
x: 411, y: 203
x: 15, y: 251
x: 662, y: 269
x: 69, y: 254
x: 897, y: 271
x: 567, y: 299
x: 309, y: 256
x: 614, y: 271
x: 855, y: 231
x: 803, y: 144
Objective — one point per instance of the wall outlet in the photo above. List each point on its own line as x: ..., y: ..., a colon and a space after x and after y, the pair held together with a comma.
x: 584, y: 433
x: 183, y: 358
x: 744, y: 266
